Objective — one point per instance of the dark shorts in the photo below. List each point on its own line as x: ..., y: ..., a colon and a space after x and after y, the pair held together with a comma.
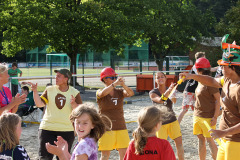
x: 14, y: 89
x: 51, y: 136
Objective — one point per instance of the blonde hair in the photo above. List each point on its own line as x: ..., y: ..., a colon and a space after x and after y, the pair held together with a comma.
x: 199, y: 55
x: 101, y: 123
x: 8, y: 126
x: 148, y: 118
x: 3, y: 68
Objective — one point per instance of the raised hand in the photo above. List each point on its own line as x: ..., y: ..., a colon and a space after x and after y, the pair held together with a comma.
x: 120, y: 81
x: 73, y: 102
x: 60, y: 148
x: 33, y: 86
x: 63, y: 143
x: 187, y: 76
x: 19, y: 99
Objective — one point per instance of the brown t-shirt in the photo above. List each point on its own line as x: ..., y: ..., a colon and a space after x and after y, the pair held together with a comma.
x: 168, y: 103
x: 112, y: 107
x: 205, y: 101
x: 230, y: 101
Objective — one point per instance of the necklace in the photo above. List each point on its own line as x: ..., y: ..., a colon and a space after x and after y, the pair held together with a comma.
x: 4, y: 95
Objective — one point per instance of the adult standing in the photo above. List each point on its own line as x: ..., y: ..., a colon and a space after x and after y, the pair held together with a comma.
x: 13, y: 72
x: 171, y: 126
x: 7, y: 103
x: 110, y: 103
x: 229, y: 127
x: 60, y: 99
x: 207, y: 109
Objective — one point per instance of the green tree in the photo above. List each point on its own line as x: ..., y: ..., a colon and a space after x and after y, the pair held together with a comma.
x: 168, y: 26
x: 70, y: 26
x: 217, y: 7
x: 230, y: 24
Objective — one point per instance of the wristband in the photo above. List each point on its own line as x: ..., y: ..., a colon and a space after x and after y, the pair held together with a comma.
x: 163, y: 98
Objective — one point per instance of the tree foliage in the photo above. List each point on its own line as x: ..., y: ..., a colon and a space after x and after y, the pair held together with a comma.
x: 168, y: 26
x: 217, y: 7
x: 74, y: 26
x: 230, y: 24
x: 70, y: 26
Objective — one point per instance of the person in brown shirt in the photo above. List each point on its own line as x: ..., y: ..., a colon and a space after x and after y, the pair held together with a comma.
x: 110, y: 103
x: 229, y: 128
x: 207, y: 108
x: 170, y: 126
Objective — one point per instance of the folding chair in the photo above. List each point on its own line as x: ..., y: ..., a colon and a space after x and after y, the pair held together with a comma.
x: 33, y: 115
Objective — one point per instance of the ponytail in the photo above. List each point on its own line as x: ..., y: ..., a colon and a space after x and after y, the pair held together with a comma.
x: 140, y: 140
x: 148, y: 119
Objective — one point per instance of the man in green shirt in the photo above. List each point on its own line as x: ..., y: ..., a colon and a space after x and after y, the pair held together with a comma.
x: 13, y: 72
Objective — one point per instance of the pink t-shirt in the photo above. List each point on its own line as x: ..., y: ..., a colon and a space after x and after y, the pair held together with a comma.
x: 5, y: 97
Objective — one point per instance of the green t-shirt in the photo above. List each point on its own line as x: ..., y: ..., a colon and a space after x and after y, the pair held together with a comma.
x: 14, y: 73
x: 29, y: 101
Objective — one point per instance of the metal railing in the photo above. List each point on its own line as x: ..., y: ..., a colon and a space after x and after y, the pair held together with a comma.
x: 83, y: 77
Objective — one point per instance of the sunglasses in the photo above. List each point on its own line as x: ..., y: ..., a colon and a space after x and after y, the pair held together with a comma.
x: 112, y: 78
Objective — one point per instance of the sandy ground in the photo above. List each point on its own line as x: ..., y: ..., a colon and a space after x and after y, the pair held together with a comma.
x: 29, y: 138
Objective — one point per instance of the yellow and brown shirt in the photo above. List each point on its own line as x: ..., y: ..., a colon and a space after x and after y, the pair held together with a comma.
x: 56, y: 117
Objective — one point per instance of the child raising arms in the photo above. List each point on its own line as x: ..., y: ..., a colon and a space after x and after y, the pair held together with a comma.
x: 89, y: 127
x: 10, y: 132
x: 145, y: 144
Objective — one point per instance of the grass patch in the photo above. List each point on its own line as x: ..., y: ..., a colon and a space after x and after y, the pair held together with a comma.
x: 27, y: 72
x: 41, y: 88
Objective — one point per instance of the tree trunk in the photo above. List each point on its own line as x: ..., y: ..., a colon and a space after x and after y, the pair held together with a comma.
x: 158, y: 52
x: 159, y: 57
x: 159, y: 64
x: 73, y: 67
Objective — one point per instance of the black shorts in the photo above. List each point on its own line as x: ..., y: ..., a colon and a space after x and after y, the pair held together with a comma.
x: 51, y: 136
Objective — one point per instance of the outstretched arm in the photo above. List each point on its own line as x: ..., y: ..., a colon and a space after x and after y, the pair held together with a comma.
x: 214, y: 69
x: 204, y: 79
